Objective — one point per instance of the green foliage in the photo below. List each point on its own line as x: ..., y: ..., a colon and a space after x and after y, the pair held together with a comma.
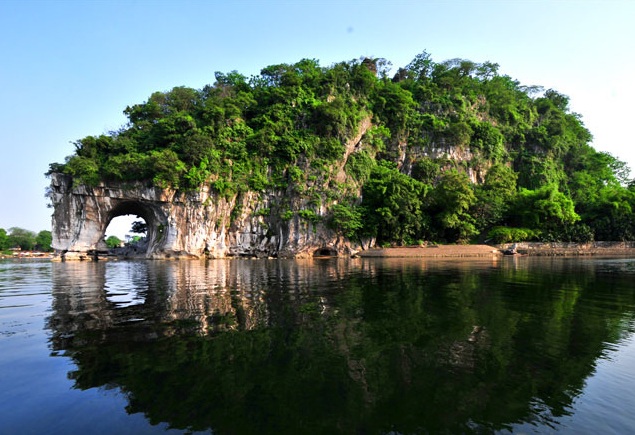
x: 4, y: 239
x: 21, y: 238
x: 611, y: 214
x: 459, y: 133
x: 359, y: 165
x: 450, y: 201
x: 420, y: 67
x: 258, y: 179
x: 546, y: 207
x: 488, y: 139
x: 392, y: 205
x: 166, y: 167
x: 509, y: 235
x: 84, y: 169
x: 309, y: 215
x: 494, y: 197
x: 43, y: 241
x: 376, y: 137
x: 135, y: 239
x: 394, y: 107
x: 263, y: 212
x: 25, y: 240
x: 113, y: 242
x: 287, y: 215
x: 346, y: 219
x: 426, y: 170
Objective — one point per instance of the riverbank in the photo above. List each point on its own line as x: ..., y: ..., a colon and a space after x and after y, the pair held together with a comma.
x: 434, y: 251
x: 555, y: 249
x: 26, y: 254
x: 527, y: 248
x: 474, y: 251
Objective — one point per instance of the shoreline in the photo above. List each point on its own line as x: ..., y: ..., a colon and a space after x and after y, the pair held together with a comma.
x: 432, y: 251
x: 533, y: 249
x: 28, y: 254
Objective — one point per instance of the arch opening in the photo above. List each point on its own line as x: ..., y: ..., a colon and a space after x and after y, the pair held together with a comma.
x: 125, y: 230
x: 137, y: 227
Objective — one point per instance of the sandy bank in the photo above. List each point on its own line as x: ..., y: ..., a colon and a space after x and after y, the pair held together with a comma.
x: 434, y: 251
x: 532, y: 249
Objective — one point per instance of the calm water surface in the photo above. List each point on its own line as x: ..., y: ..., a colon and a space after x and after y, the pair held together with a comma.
x: 369, y: 346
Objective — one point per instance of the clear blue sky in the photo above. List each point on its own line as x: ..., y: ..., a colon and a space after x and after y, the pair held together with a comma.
x: 69, y: 68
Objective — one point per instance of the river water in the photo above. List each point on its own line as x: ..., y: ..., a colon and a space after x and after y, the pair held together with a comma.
x: 368, y: 346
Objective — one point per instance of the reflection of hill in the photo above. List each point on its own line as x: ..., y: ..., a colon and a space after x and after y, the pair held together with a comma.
x: 337, y: 346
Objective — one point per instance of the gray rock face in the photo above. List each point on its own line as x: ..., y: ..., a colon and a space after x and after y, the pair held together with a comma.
x: 184, y: 225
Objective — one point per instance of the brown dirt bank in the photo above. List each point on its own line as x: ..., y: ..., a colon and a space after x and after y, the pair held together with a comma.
x: 533, y: 249
x: 434, y: 251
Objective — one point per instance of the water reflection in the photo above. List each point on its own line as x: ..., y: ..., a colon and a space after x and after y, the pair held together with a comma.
x: 367, y: 346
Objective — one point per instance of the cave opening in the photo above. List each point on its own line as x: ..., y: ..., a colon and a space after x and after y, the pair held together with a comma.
x: 325, y: 252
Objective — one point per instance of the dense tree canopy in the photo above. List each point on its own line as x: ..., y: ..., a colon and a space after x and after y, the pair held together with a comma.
x: 450, y: 151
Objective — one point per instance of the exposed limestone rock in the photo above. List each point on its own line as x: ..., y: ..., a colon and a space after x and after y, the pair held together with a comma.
x: 441, y: 150
x: 183, y: 225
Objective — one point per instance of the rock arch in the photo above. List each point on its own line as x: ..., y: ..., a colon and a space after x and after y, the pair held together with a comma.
x: 184, y: 224
x: 82, y: 215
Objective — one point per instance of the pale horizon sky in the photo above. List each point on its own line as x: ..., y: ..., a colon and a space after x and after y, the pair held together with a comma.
x: 70, y: 68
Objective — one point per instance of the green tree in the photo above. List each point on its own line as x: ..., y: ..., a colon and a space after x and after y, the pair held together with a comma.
x: 494, y: 197
x: 19, y: 237
x: 392, y: 204
x: 347, y: 220
x: 113, y: 242
x: 43, y: 241
x: 611, y: 214
x: 84, y: 169
x: 450, y: 202
x: 421, y: 66
x: 545, y: 209
x: 4, y: 239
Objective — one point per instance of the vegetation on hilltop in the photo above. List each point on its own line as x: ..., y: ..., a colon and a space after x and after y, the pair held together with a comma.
x: 445, y: 152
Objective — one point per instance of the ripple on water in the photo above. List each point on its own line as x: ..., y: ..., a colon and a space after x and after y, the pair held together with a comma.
x: 25, y: 295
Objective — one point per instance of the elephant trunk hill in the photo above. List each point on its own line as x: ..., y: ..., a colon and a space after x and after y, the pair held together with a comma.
x: 306, y: 160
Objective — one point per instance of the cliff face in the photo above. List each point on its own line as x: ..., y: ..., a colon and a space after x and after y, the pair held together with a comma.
x: 184, y: 225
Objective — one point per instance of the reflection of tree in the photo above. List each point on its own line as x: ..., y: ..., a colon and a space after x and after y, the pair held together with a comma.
x: 361, y: 346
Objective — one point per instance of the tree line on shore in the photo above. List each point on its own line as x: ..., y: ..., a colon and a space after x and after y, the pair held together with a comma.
x: 25, y: 240
x: 526, y: 168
